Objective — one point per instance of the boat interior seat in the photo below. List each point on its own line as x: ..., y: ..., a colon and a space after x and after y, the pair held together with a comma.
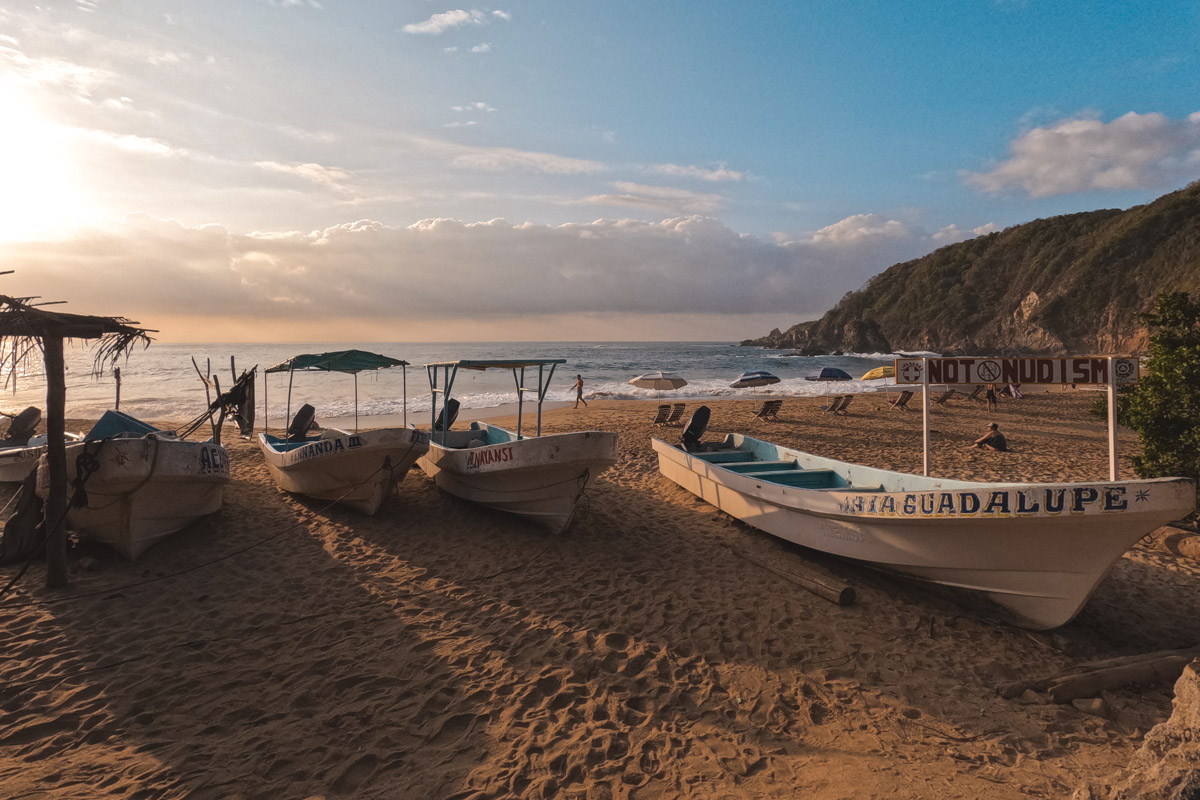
x: 746, y: 467
x: 333, y: 433
x: 801, y: 478
x: 476, y: 443
x: 725, y: 456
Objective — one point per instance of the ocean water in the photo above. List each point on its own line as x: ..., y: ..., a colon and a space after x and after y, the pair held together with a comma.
x: 160, y: 383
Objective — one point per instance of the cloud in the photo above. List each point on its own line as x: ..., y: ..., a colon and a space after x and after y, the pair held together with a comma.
x: 447, y: 20
x: 662, y: 199
x: 476, y: 106
x: 1136, y: 151
x: 330, y: 177
x: 504, y: 15
x: 364, y: 272
x: 486, y: 47
x: 718, y: 174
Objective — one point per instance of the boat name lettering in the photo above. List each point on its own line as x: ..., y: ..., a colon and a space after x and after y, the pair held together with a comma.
x: 1021, y: 502
x: 213, y: 460
x: 480, y: 458
x: 323, y: 447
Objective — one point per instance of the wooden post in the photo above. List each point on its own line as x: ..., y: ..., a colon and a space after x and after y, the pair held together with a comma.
x: 56, y: 463
x: 117, y: 378
x: 1112, y: 419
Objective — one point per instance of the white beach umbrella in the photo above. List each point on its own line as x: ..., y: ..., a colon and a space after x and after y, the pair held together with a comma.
x: 658, y: 380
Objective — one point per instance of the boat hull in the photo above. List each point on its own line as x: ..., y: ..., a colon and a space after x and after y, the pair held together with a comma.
x: 1039, y: 550
x: 143, y: 490
x: 358, y: 470
x: 539, y: 478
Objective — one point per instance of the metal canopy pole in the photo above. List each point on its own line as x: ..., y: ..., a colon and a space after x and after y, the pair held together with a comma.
x: 291, y: 374
x: 520, y: 381
x: 356, y: 402
x: 925, y: 415
x: 1112, y: 419
x: 404, y: 373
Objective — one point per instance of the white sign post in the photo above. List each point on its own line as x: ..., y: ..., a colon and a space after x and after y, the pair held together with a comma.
x: 925, y: 416
x: 1102, y: 370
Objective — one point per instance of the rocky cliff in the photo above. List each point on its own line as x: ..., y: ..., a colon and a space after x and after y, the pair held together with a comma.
x: 1070, y: 284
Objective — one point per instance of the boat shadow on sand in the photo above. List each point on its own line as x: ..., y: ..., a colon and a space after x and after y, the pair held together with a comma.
x: 444, y: 649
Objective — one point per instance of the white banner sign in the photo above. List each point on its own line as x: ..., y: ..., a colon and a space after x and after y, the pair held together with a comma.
x: 955, y: 371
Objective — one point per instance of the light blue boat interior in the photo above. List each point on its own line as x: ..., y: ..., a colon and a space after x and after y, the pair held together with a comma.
x: 118, y: 425
x: 480, y: 434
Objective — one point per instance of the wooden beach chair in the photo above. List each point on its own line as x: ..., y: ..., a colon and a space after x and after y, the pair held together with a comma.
x: 974, y: 395
x: 664, y: 411
x: 836, y: 405
x: 769, y: 410
x: 943, y: 397
x: 676, y: 415
x: 901, y: 402
x: 846, y: 400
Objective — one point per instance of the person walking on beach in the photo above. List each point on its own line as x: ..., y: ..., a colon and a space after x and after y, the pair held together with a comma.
x: 992, y: 440
x: 579, y: 392
x: 991, y: 397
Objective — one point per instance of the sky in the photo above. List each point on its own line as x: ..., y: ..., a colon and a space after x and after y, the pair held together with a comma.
x: 422, y: 170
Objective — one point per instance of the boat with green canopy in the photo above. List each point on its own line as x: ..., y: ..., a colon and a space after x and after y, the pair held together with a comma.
x: 358, y: 469
x: 536, y: 477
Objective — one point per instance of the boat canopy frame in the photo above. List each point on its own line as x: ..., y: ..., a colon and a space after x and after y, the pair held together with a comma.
x: 347, y: 361
x: 441, y: 382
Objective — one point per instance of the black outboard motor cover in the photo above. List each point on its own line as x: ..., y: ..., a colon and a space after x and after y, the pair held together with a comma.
x: 23, y: 426
x: 696, y: 426
x: 301, y: 423
x: 448, y: 412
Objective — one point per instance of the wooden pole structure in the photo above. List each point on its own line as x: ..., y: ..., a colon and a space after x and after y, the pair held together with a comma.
x: 117, y: 378
x: 1112, y: 419
x: 57, y: 574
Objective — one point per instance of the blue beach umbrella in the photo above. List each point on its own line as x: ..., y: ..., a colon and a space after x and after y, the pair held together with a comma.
x: 829, y: 374
x: 754, y: 378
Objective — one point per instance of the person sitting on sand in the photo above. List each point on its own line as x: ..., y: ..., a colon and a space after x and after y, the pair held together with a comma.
x: 579, y: 392
x: 992, y: 440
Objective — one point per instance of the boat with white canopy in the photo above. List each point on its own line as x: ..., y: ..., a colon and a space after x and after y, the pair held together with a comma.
x: 358, y: 469
x: 536, y: 477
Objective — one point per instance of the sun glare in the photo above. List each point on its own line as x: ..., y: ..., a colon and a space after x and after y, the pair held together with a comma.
x: 38, y: 197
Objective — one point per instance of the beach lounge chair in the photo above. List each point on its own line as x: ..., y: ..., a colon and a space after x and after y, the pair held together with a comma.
x: 676, y: 414
x: 943, y: 397
x: 769, y: 410
x: 836, y: 405
x: 664, y: 411
x: 846, y: 399
x: 901, y: 402
x: 974, y: 395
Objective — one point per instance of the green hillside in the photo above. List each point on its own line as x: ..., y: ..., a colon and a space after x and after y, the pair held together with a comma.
x: 1069, y: 284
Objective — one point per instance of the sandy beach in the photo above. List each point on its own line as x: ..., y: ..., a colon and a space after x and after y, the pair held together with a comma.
x: 286, y: 649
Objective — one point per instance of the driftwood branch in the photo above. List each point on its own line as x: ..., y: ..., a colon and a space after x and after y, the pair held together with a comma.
x: 836, y: 593
x: 1110, y: 674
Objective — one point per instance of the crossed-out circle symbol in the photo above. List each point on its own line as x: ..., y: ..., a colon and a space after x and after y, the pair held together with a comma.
x: 911, y: 371
x: 988, y: 371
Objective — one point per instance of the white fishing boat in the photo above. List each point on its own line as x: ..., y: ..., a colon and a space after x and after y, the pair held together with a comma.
x: 135, y: 484
x: 358, y: 469
x: 1037, y: 549
x: 539, y: 478
x: 17, y: 461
